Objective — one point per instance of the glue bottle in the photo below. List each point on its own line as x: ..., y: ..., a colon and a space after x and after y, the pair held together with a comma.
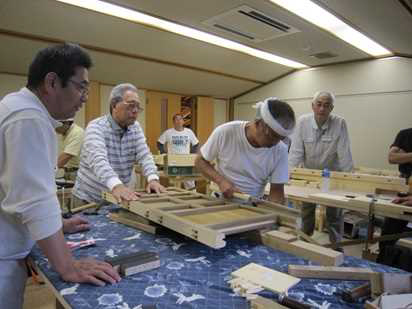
x: 325, y: 180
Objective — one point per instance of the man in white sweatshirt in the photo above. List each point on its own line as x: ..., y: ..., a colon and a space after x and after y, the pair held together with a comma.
x: 30, y: 213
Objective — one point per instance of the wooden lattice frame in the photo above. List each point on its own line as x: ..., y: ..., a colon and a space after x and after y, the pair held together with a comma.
x: 203, y: 218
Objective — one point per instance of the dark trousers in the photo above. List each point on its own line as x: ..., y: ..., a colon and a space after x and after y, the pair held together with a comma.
x: 390, y: 226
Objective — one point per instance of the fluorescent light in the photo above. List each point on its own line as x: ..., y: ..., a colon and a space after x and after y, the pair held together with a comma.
x: 325, y: 20
x: 134, y: 16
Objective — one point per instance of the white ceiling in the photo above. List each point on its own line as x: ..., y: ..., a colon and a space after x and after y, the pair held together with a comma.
x: 154, y: 59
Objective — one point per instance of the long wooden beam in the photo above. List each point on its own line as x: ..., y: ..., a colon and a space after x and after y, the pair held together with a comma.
x: 362, y: 203
x: 352, y: 181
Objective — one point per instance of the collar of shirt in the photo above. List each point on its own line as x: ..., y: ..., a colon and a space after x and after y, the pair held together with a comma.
x: 115, y: 126
x: 324, y: 127
x: 26, y: 92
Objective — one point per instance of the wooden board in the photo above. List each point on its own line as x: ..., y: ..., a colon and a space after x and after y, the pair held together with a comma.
x: 330, y: 272
x: 352, y: 181
x: 264, y: 303
x: 132, y: 223
x: 361, y: 203
x: 312, y: 252
x: 205, y: 219
x: 269, y: 279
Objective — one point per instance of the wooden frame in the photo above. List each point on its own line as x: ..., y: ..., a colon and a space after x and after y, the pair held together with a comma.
x: 200, y: 217
x: 350, y: 181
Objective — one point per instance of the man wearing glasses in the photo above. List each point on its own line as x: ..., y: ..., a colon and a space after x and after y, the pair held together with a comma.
x: 29, y: 210
x: 321, y: 140
x: 112, y: 145
x: 249, y: 154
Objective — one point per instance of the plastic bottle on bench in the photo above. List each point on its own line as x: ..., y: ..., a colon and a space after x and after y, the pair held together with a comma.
x: 325, y: 180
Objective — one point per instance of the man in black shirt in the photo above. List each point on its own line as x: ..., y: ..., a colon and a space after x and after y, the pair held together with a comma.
x: 400, y: 153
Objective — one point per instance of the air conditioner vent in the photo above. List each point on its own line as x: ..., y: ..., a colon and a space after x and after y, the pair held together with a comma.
x: 323, y: 55
x: 250, y: 24
x: 264, y: 19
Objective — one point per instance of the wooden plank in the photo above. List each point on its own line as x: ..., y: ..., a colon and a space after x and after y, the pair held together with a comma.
x: 269, y: 279
x: 203, y: 210
x: 265, y: 303
x: 361, y: 203
x: 180, y: 160
x: 238, y: 228
x: 132, y: 223
x: 249, y: 219
x: 352, y: 181
x: 282, y: 236
x: 83, y: 207
x: 330, y: 272
x: 308, y: 251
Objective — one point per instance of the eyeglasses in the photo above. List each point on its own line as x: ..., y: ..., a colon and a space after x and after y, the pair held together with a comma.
x: 82, y: 88
x: 325, y: 105
x: 132, y: 106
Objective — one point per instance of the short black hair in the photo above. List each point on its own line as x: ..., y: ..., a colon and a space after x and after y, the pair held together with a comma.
x: 61, y: 59
x: 283, y: 113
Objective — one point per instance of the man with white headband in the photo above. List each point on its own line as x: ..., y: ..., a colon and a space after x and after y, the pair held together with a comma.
x: 249, y: 154
x: 321, y: 140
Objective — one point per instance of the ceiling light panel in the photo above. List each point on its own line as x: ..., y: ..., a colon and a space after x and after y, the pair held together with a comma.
x: 135, y: 16
x: 320, y: 17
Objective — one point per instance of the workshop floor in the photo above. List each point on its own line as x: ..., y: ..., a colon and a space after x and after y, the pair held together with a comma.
x: 41, y: 297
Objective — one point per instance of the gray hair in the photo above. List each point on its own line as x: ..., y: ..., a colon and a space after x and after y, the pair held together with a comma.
x: 281, y: 111
x: 327, y: 94
x: 117, y: 93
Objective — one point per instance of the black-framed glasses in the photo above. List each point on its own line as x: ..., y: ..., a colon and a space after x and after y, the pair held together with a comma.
x: 82, y: 88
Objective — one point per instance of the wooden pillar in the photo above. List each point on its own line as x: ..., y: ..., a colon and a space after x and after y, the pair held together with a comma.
x: 231, y: 111
x: 160, y: 109
x: 92, y: 108
x: 204, y: 118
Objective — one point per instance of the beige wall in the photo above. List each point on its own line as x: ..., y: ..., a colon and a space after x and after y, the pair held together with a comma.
x: 220, y: 112
x: 375, y: 97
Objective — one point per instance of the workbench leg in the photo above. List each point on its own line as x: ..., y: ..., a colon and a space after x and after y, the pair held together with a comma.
x: 321, y: 217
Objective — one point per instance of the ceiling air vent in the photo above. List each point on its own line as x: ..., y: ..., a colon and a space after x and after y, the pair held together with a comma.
x: 323, y: 55
x: 250, y: 24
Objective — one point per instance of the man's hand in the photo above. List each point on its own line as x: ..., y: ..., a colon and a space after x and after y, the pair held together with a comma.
x: 123, y: 193
x: 75, y: 224
x: 155, y: 186
x: 91, y: 271
x: 407, y: 200
x: 227, y: 188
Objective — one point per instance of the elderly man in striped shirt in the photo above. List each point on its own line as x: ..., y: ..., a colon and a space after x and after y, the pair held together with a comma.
x: 112, y: 145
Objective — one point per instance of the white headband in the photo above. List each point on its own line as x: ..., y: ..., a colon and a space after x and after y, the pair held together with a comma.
x: 267, y: 117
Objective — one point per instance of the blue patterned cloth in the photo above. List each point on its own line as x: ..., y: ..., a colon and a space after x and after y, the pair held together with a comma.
x: 191, y: 275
